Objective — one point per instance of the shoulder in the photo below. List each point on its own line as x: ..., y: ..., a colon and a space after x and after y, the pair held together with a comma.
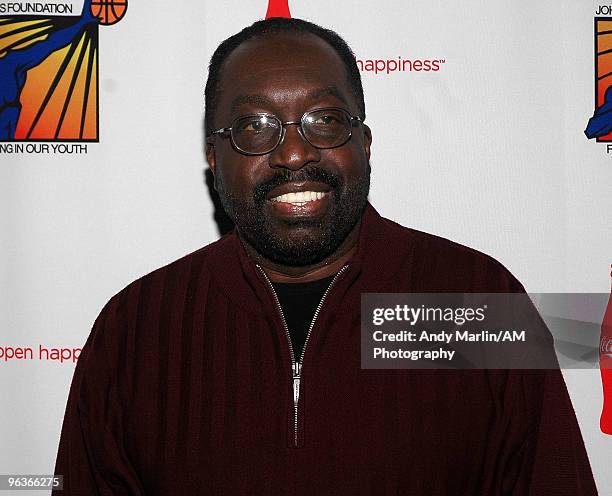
x: 439, y: 264
x: 174, y: 281
x: 153, y: 303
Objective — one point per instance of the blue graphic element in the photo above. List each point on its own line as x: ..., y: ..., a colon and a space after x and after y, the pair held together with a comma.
x: 601, y: 122
x: 15, y: 64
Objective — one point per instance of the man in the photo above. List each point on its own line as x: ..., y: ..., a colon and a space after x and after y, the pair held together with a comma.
x: 236, y: 369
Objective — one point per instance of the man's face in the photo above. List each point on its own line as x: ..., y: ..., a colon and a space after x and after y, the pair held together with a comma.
x: 287, y: 75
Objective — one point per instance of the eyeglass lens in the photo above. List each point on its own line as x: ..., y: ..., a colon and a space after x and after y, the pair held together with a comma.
x: 325, y: 128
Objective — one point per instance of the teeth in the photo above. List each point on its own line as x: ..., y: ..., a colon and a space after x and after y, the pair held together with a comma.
x: 299, y: 197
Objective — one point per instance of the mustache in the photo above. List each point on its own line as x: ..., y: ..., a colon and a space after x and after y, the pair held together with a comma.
x: 285, y: 176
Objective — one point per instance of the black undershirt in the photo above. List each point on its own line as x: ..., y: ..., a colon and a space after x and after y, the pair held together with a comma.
x: 299, y: 302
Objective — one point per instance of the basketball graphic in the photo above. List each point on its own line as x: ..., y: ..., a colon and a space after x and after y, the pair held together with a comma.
x: 108, y: 11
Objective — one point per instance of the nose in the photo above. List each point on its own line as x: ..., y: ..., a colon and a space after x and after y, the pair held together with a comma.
x: 293, y: 152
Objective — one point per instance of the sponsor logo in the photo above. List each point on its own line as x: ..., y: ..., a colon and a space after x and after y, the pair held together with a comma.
x: 399, y: 64
x: 49, y: 73
x: 599, y: 126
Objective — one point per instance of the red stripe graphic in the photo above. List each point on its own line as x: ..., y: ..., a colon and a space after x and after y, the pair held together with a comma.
x: 605, y: 364
x: 278, y: 8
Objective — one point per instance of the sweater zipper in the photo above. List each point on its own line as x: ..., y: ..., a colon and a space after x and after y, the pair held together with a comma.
x: 296, y: 365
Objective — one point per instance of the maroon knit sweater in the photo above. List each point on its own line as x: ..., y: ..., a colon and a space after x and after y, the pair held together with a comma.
x: 185, y: 386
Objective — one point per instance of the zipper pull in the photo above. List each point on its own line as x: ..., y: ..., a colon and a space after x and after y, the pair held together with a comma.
x: 296, y: 382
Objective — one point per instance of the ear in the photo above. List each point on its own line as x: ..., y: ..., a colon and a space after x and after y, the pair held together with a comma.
x: 211, y: 158
x: 367, y: 140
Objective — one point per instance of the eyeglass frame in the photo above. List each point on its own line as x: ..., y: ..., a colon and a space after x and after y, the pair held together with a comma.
x: 223, y: 130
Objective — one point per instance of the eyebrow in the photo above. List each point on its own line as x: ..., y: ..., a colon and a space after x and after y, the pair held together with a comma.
x: 327, y: 91
x: 250, y: 99
x: 311, y: 95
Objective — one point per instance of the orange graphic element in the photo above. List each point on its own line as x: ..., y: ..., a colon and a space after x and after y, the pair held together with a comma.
x: 69, y: 110
x: 54, y: 93
x: 603, y: 63
x: 605, y: 365
x: 278, y: 8
x: 109, y: 11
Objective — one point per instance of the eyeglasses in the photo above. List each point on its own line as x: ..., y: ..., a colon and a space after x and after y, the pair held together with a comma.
x: 261, y: 133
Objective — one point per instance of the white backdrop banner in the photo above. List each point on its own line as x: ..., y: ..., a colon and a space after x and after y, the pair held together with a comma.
x: 478, y: 112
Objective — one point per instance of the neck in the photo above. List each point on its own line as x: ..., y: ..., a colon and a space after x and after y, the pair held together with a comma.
x: 325, y: 268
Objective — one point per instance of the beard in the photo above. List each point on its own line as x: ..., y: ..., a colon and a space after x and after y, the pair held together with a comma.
x: 297, y: 242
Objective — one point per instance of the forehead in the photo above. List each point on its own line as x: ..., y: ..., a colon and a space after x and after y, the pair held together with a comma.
x: 283, y: 70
